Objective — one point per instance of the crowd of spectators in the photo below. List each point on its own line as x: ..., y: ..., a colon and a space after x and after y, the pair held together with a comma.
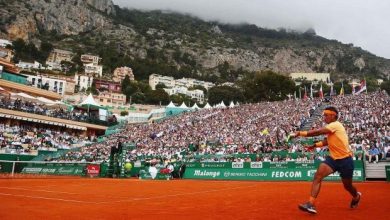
x: 25, y: 139
x: 51, y: 111
x: 250, y: 132
x: 367, y: 119
x: 246, y: 129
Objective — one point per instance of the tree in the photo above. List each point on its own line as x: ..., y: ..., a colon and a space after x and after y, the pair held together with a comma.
x: 158, y: 96
x: 68, y: 67
x: 125, y: 83
x: 29, y: 52
x: 45, y: 50
x: 225, y: 94
x: 267, y: 86
x: 180, y: 98
x: 124, y: 113
x: 130, y: 90
x: 337, y: 87
x: 225, y: 73
x: 372, y: 84
x: 160, y: 86
x: 138, y: 97
x: 144, y: 86
x: 92, y: 89
x: 386, y: 86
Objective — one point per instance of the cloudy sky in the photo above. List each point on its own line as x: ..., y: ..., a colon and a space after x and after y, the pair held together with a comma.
x: 364, y: 23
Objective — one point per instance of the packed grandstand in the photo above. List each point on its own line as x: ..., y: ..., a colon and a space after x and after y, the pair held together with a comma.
x: 244, y: 133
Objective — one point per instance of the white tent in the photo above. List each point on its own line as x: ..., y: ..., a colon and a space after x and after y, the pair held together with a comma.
x: 220, y: 105
x: 90, y: 104
x: 207, y: 106
x: 171, y: 105
x: 89, y: 101
x: 183, y: 105
x: 195, y: 106
x: 231, y: 104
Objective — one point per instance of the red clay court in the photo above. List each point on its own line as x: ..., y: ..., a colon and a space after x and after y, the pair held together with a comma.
x: 83, y: 198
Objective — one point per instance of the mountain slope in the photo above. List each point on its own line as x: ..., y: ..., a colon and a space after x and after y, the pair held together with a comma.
x: 180, y: 45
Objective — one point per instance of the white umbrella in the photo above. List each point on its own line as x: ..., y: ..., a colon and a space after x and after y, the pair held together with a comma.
x: 4, y: 92
x: 45, y: 101
x: 23, y: 96
x: 58, y: 104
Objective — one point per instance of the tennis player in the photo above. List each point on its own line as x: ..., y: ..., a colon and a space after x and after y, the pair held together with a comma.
x: 340, y: 158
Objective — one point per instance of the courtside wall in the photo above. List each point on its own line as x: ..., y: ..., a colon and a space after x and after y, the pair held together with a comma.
x: 266, y: 171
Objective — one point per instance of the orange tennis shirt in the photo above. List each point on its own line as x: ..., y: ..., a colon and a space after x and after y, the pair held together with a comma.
x: 338, y: 141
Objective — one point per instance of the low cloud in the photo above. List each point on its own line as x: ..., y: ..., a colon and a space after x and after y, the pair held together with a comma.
x: 360, y: 22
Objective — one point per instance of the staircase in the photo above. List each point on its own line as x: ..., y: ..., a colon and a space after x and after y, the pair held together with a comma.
x: 376, y: 170
x: 308, y: 124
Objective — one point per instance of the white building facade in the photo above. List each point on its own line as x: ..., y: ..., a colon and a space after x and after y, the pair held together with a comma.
x: 91, y: 64
x: 155, y: 79
x: 53, y: 84
x: 194, y: 94
x: 83, y: 81
x: 92, y: 69
x: 27, y: 65
x: 324, y: 77
x: 170, y: 82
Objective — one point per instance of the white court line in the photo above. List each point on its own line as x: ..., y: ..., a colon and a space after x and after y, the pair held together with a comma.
x: 179, y: 194
x: 37, y: 190
x: 59, y: 185
x: 126, y: 200
x: 48, y: 198
x: 50, y: 191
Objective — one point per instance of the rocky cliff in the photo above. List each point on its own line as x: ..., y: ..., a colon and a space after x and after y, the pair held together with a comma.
x: 206, y: 45
x: 27, y: 18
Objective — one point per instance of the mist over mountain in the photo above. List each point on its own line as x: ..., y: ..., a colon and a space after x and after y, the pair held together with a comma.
x: 179, y: 45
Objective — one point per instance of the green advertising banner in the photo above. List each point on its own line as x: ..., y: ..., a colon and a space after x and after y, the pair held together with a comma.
x: 268, y: 171
x: 55, y: 169
x: 271, y: 165
x: 159, y: 176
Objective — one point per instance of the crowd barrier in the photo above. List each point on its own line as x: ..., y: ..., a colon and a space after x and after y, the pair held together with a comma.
x: 262, y: 171
x: 49, y: 168
x: 267, y: 171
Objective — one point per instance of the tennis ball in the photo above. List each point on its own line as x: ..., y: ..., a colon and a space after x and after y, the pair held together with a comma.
x: 128, y: 166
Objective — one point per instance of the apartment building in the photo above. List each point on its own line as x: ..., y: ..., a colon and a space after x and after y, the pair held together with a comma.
x: 83, y: 81
x: 324, y: 77
x: 121, y: 72
x: 194, y: 94
x: 170, y: 82
x: 91, y: 64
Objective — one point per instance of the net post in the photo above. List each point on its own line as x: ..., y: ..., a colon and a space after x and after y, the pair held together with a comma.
x: 13, y: 168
